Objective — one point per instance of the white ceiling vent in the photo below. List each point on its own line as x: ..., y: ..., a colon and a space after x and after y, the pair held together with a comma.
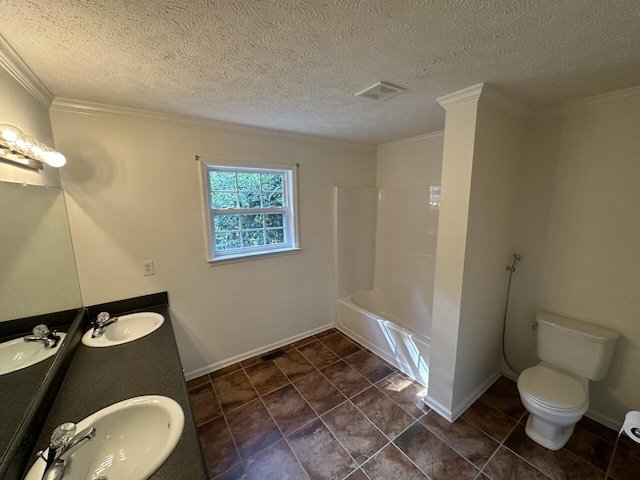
x: 380, y: 91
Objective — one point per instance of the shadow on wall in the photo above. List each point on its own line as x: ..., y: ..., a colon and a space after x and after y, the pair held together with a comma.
x: 615, y: 380
x: 535, y: 193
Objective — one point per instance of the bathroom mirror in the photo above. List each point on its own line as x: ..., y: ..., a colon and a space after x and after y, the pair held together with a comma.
x: 37, y: 277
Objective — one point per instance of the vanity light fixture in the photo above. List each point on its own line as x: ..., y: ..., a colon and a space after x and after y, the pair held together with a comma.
x: 17, y: 147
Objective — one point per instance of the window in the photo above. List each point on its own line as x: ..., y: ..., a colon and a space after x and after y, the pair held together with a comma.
x: 251, y: 210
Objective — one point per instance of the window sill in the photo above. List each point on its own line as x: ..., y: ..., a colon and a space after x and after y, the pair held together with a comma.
x: 245, y: 257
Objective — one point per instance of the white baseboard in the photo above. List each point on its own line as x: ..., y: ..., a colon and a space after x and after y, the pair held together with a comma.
x: 450, y: 415
x: 252, y: 353
x: 475, y: 395
x: 604, y: 420
x: 438, y: 408
x: 507, y: 372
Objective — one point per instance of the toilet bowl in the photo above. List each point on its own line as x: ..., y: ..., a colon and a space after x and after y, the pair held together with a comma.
x: 555, y: 400
x: 556, y: 391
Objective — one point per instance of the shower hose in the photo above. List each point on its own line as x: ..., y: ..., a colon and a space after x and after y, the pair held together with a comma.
x: 510, y: 269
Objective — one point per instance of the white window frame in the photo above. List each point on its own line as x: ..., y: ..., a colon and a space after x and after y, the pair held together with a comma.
x: 290, y: 210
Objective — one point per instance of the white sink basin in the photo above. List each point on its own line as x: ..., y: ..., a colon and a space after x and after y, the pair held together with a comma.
x: 127, y: 329
x: 18, y: 354
x: 133, y: 439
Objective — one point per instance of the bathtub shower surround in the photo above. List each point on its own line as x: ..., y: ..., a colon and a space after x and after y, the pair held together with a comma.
x: 364, y: 316
x: 385, y: 245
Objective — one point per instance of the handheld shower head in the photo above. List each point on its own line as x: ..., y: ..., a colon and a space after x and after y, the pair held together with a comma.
x: 516, y: 259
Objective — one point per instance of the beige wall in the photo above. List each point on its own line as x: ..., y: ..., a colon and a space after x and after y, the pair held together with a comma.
x: 134, y: 194
x: 578, y: 230
x: 411, y: 162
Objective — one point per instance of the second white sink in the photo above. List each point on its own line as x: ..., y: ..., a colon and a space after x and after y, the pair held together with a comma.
x: 133, y: 439
x: 18, y: 354
x: 127, y: 329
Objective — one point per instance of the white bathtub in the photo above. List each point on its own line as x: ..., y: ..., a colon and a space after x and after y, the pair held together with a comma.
x: 365, y: 316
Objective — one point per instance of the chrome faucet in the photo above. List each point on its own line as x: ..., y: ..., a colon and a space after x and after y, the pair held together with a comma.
x: 64, y: 442
x: 102, y: 322
x: 41, y: 333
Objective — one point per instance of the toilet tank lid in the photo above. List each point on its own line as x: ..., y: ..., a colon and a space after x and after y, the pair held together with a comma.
x: 578, y: 328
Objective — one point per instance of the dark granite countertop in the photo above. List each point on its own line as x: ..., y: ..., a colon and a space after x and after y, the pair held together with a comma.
x: 99, y: 377
x: 17, y: 390
x: 27, y: 395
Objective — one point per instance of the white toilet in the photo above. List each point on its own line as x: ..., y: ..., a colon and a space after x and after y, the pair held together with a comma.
x: 556, y: 391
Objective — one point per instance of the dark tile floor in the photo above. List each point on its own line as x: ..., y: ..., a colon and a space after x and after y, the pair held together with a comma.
x: 329, y: 409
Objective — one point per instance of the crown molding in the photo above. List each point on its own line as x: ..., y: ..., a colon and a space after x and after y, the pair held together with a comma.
x: 577, y: 106
x: 62, y: 104
x: 417, y: 138
x: 466, y: 95
x: 19, y: 70
x: 488, y: 95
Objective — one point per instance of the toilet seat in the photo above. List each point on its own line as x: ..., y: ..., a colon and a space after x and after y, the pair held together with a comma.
x: 553, y: 391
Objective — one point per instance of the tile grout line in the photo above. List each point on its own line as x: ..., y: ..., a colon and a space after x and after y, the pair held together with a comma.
x: 393, y: 370
x: 406, y: 456
x: 242, y: 462
x: 325, y: 424
x: 272, y: 419
x: 342, y: 445
x: 243, y: 368
x: 312, y: 364
x: 389, y: 442
x: 268, y: 412
x: 358, y: 373
x: 226, y: 422
x: 446, y: 442
x: 368, y: 420
x: 371, y: 384
x: 319, y: 416
x: 503, y: 444
x: 479, y: 469
x: 482, y: 472
x: 394, y: 401
x: 347, y: 399
x: 284, y: 437
x: 399, y: 449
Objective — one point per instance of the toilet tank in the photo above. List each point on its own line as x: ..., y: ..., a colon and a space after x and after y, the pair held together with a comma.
x: 580, y: 348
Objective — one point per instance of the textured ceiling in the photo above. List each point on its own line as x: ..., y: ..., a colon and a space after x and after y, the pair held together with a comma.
x: 296, y: 65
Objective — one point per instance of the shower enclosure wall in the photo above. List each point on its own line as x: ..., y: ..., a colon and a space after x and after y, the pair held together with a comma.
x: 385, y: 245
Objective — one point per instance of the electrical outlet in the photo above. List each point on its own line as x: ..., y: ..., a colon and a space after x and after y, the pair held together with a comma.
x: 147, y: 268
